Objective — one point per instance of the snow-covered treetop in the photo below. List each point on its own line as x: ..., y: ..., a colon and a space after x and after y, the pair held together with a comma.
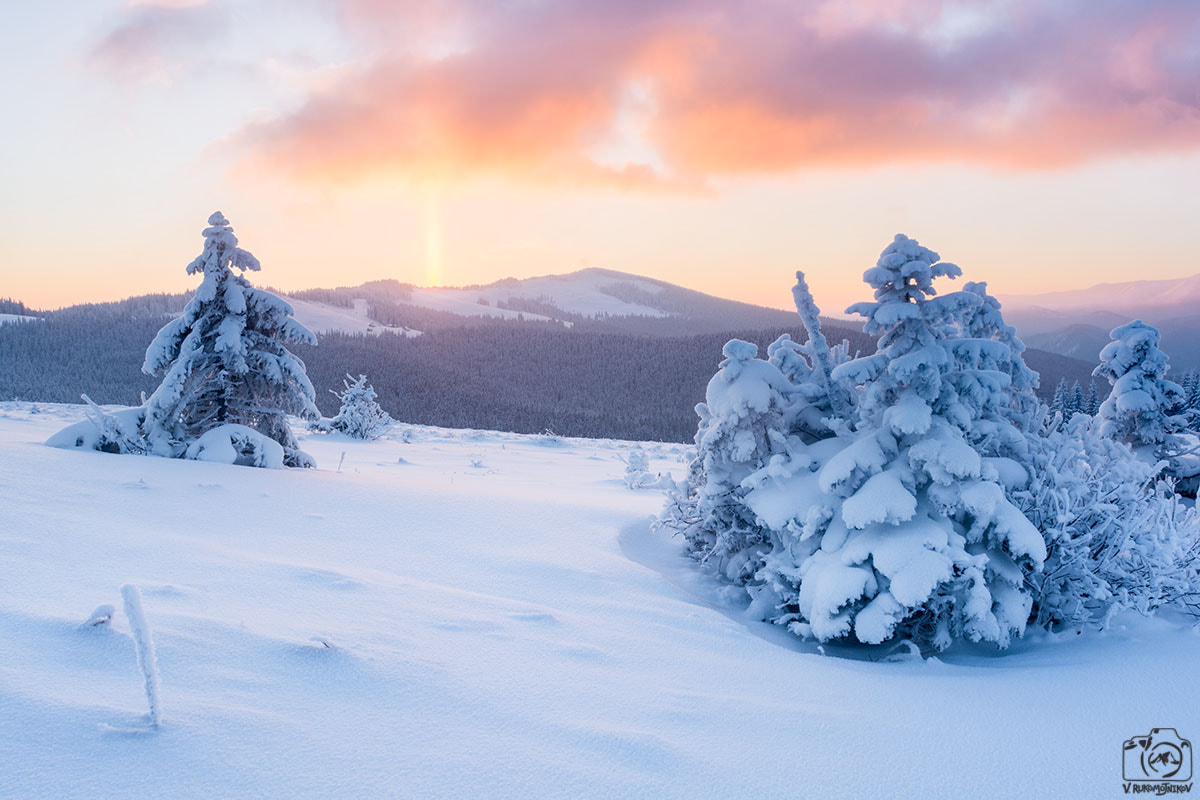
x: 1137, y: 410
x: 1133, y: 345
x: 903, y: 274
x: 220, y: 249
x: 744, y: 383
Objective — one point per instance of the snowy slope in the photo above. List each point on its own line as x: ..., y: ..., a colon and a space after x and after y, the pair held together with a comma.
x: 581, y: 293
x: 13, y: 318
x: 464, y: 303
x: 324, y: 318
x: 502, y: 623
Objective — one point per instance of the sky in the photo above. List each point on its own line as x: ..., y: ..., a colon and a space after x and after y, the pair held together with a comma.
x: 716, y: 144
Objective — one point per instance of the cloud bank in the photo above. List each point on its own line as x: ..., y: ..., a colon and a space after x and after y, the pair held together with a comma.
x: 678, y: 93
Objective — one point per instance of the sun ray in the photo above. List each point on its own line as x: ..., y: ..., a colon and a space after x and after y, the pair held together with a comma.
x: 433, y: 238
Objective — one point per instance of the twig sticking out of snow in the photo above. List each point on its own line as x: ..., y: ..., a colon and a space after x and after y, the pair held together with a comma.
x: 144, y: 645
x: 101, y: 616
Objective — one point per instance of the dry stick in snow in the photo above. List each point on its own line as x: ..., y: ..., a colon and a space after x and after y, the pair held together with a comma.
x: 144, y: 645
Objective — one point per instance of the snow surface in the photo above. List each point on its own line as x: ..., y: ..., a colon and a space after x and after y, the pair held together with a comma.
x: 14, y: 318
x: 477, y: 614
x: 324, y: 318
x: 575, y: 293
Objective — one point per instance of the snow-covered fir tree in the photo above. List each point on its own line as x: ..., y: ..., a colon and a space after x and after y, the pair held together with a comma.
x: 899, y: 523
x: 1058, y: 404
x: 1191, y: 386
x: 1144, y: 409
x: 360, y: 415
x: 1076, y: 404
x: 920, y: 492
x: 1091, y: 399
x: 742, y: 425
x: 1137, y: 410
x: 223, y: 362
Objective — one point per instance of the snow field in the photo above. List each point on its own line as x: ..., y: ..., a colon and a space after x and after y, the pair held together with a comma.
x: 413, y: 625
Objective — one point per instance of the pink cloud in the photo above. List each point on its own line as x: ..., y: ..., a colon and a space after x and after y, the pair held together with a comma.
x: 762, y: 87
x: 149, y: 39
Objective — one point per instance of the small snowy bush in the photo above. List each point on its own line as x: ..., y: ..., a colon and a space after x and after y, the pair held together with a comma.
x: 106, y: 431
x: 360, y: 416
x: 637, y: 471
x: 1117, y: 537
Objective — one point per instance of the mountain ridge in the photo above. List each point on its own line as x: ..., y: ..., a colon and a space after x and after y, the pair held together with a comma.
x: 1076, y: 323
x: 631, y: 377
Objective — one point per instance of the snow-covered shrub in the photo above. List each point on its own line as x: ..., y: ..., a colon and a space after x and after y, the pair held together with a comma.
x: 360, y: 416
x: 1117, y: 537
x: 224, y: 361
x: 106, y: 431
x: 237, y: 444
x: 1144, y: 409
x: 637, y: 471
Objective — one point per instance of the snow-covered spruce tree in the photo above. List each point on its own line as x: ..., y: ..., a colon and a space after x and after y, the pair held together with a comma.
x: 1092, y: 399
x: 1058, y: 404
x: 1076, y: 403
x: 741, y: 427
x: 903, y: 527
x: 223, y: 362
x: 1142, y: 408
x: 360, y: 416
x: 991, y: 378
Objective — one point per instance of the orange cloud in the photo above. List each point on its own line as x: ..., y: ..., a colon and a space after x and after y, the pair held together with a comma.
x: 763, y: 87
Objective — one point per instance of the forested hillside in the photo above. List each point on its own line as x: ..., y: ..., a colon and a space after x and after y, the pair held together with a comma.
x: 621, y: 378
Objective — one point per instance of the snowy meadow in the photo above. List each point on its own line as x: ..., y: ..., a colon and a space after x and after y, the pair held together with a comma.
x: 478, y: 614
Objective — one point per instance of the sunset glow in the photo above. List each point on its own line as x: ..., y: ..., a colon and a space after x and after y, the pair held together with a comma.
x: 713, y: 145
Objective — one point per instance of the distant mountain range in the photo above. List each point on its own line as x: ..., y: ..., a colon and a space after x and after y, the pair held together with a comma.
x: 590, y: 353
x: 588, y: 300
x: 1077, y: 323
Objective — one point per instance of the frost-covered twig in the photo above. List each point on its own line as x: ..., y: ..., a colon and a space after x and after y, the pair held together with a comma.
x: 144, y: 644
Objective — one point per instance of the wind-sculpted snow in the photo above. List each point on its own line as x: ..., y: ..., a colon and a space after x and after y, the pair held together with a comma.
x: 426, y: 629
